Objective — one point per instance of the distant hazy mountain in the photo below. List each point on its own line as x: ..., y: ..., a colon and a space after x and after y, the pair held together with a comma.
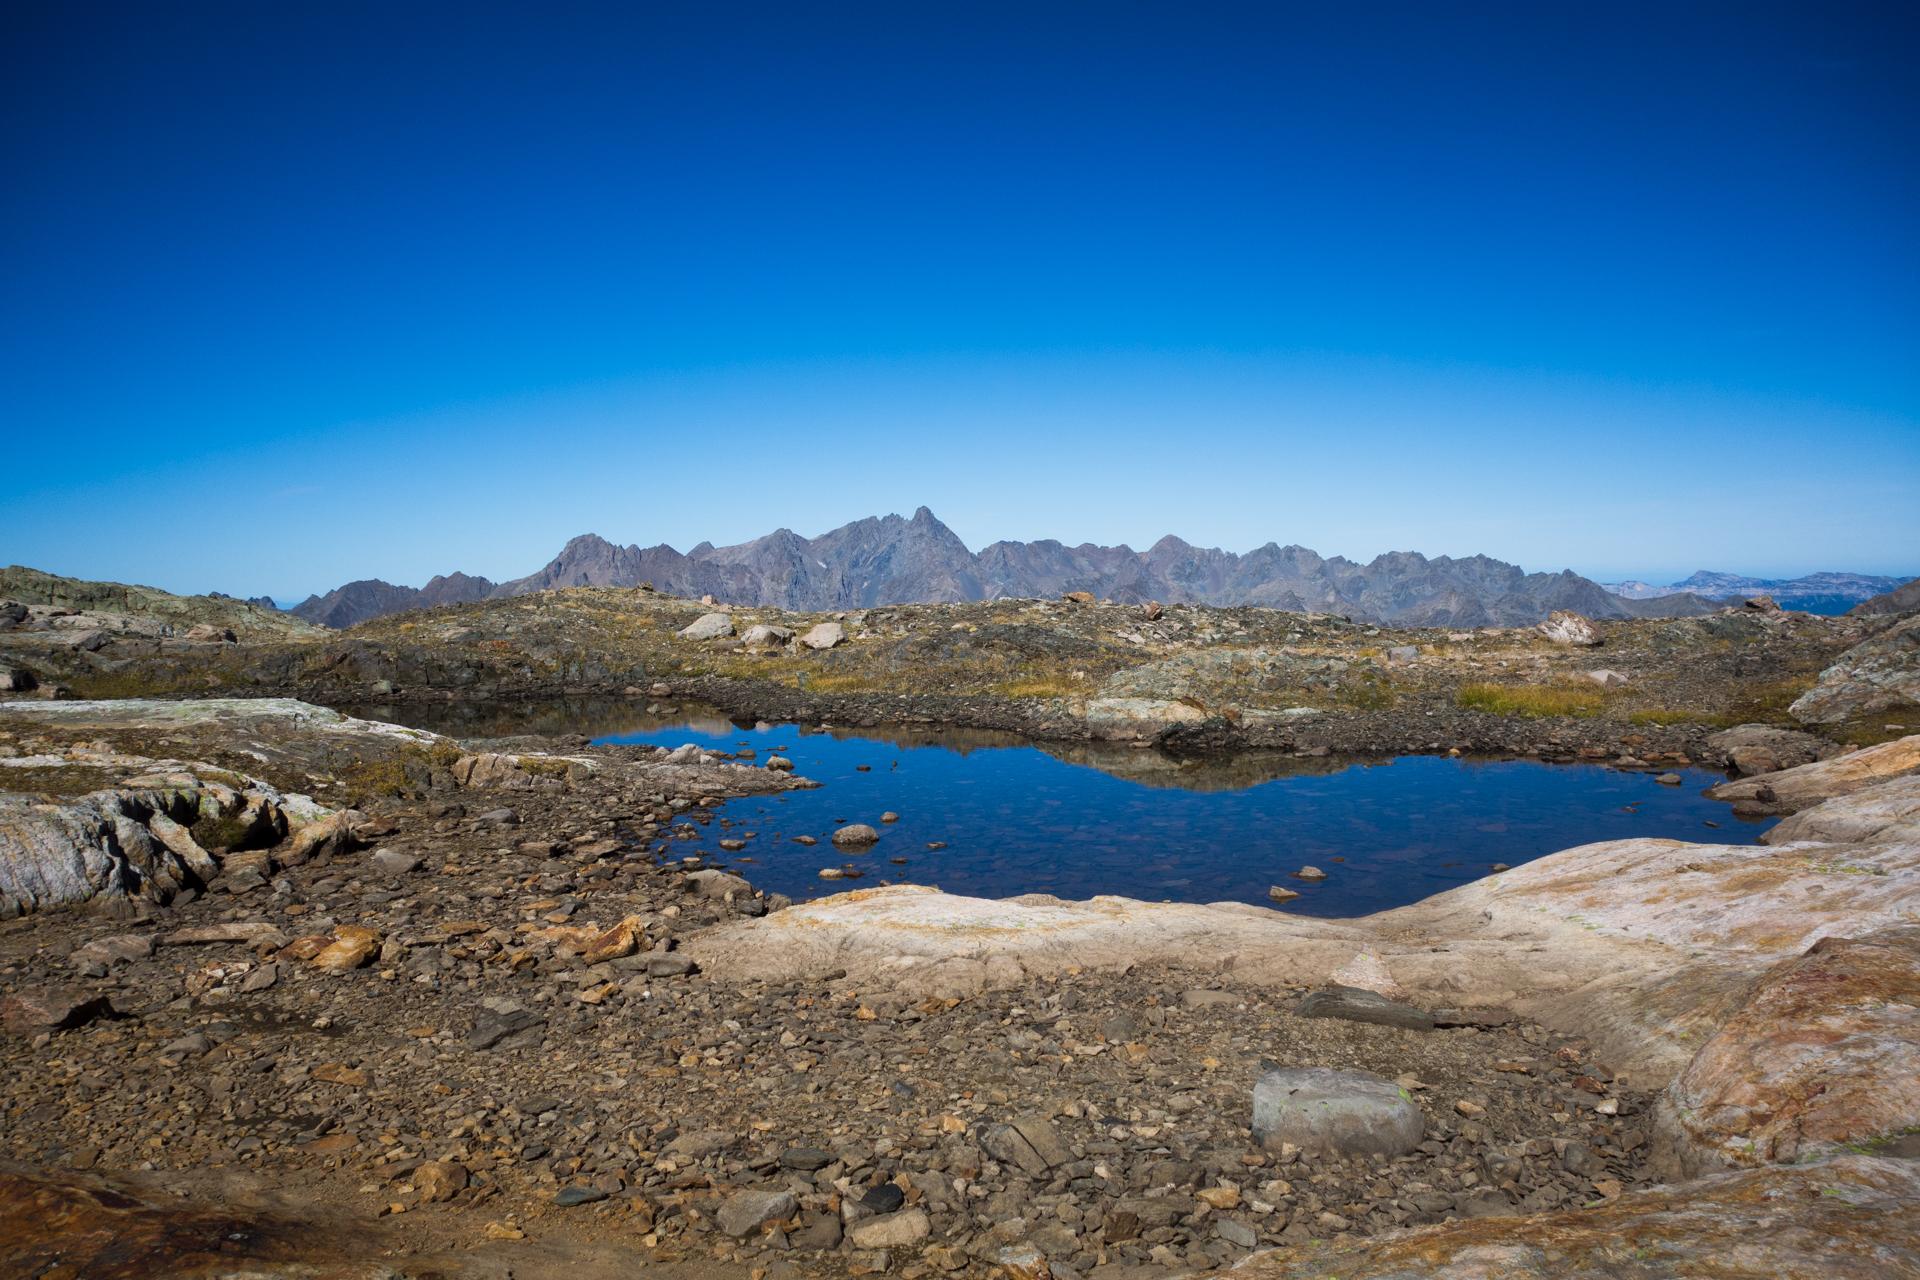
x: 372, y: 598
x: 892, y: 560
x: 1830, y: 593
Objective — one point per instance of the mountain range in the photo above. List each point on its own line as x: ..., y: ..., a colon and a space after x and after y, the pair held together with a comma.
x: 894, y: 560
x: 1830, y: 593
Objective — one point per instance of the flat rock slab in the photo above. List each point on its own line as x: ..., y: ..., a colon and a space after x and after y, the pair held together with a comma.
x: 1884, y: 812
x: 1355, y: 1004
x: 1029, y: 1143
x: 1341, y: 1112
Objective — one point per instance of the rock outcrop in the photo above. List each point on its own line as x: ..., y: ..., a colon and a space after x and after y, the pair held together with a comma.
x: 1791, y: 790
x: 1821, y: 1052
x: 1880, y: 674
x: 1883, y: 812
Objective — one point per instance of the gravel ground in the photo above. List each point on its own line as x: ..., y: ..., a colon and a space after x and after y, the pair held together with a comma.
x: 463, y: 1063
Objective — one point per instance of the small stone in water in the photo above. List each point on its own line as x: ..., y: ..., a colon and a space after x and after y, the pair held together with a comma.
x: 1310, y: 873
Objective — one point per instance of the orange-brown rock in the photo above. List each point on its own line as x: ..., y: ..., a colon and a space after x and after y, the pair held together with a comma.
x: 1823, y: 1051
x: 1850, y: 1218
x: 352, y: 946
x: 65, y: 1224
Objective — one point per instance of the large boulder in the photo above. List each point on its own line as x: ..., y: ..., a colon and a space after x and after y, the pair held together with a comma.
x: 1880, y: 674
x: 824, y: 635
x: 708, y: 626
x: 1822, y: 1052
x: 1329, y: 1111
x: 764, y: 636
x: 1563, y: 626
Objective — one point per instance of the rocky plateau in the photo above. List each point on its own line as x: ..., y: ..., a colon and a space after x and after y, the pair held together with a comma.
x: 288, y: 993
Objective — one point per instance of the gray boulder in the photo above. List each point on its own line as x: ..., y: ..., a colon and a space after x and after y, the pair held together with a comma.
x: 1029, y: 1144
x: 747, y: 1211
x: 1321, y: 1109
x: 763, y: 636
x: 856, y: 835
x: 1563, y: 626
x: 1760, y: 748
x: 708, y: 626
x: 824, y: 636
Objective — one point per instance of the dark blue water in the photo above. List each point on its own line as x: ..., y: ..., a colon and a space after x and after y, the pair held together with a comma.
x: 1017, y: 819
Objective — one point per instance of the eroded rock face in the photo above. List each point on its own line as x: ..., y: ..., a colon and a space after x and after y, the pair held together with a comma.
x: 1824, y: 1051
x: 1849, y: 1218
x: 115, y: 846
x: 1881, y: 673
x: 1791, y: 790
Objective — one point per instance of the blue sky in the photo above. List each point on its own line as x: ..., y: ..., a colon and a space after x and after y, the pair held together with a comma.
x: 290, y: 295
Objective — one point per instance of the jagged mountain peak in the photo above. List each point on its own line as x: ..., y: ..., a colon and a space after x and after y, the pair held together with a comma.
x: 893, y: 559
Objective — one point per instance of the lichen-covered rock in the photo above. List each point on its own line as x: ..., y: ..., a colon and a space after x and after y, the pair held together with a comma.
x: 1823, y: 1051
x: 352, y: 946
x: 1881, y: 673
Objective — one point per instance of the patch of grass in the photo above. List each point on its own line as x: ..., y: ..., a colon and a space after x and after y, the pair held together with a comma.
x: 1767, y: 703
x: 843, y: 682
x: 1049, y: 685
x: 1531, y: 699
x: 1364, y: 692
x: 376, y: 779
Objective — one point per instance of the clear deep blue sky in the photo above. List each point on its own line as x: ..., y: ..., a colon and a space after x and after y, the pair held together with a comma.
x: 296, y: 294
